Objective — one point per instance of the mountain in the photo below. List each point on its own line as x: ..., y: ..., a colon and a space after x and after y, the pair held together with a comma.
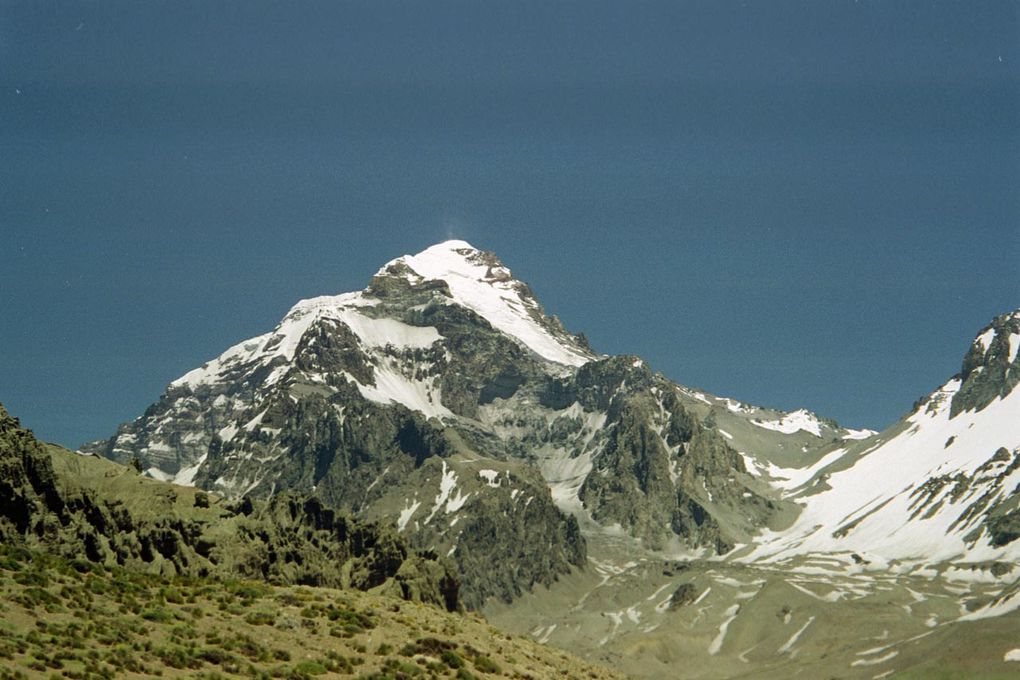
x: 442, y: 398
x: 938, y: 487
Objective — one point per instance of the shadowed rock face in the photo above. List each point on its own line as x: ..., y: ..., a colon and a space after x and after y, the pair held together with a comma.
x: 661, y: 473
x: 991, y: 368
x: 81, y: 506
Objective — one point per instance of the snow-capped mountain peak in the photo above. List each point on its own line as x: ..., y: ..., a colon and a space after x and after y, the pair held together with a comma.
x: 479, y: 281
x: 474, y: 279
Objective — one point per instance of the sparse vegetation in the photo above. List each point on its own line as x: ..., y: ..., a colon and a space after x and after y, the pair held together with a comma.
x: 62, y: 619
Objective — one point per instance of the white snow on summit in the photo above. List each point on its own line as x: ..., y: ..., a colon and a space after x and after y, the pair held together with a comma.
x: 493, y: 294
x: 488, y: 290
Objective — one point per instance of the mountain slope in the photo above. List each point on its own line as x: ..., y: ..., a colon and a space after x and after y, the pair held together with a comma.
x: 73, y: 619
x: 940, y: 486
x: 104, y: 573
x: 442, y: 398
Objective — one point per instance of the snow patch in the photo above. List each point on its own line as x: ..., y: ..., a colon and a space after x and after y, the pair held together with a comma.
x: 564, y: 475
x: 406, y: 513
x: 392, y: 386
x: 491, y: 478
x: 875, y: 662
x: 788, y: 645
x: 792, y: 478
x: 156, y: 473
x: 848, y: 433
x: 717, y: 643
x: 985, y: 339
x: 447, y: 484
x: 791, y: 423
x: 186, y: 477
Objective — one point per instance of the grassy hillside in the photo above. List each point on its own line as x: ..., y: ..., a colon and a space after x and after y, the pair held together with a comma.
x: 63, y: 618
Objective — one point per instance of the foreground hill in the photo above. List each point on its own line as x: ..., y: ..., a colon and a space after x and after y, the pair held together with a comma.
x: 75, y: 619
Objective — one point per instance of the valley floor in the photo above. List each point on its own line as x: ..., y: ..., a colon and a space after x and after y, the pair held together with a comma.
x: 812, y: 617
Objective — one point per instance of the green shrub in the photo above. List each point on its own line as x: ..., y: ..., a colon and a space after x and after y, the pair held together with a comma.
x: 310, y: 668
x: 215, y: 656
x: 250, y: 591
x: 452, y: 659
x: 8, y: 563
x: 157, y: 614
x: 260, y: 618
x: 32, y: 578
x: 486, y: 665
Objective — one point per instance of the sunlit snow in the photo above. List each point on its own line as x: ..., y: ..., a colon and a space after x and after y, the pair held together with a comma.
x: 872, y: 502
x: 494, y: 295
x: 793, y: 422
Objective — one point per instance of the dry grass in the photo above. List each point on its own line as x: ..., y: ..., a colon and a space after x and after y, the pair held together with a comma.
x: 78, y: 620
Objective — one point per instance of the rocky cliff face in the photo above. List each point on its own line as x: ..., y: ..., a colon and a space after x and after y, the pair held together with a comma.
x: 84, y: 507
x: 991, y: 368
x: 442, y: 399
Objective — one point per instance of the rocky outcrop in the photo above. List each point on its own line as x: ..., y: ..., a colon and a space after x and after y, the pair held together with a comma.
x: 661, y: 472
x: 991, y: 368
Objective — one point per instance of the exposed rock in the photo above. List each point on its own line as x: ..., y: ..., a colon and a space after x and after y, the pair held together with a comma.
x: 685, y: 594
x: 989, y: 371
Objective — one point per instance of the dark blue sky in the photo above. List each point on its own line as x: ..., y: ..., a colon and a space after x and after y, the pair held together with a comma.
x: 791, y: 203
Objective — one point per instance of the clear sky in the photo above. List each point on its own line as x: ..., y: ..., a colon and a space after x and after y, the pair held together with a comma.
x: 790, y: 203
